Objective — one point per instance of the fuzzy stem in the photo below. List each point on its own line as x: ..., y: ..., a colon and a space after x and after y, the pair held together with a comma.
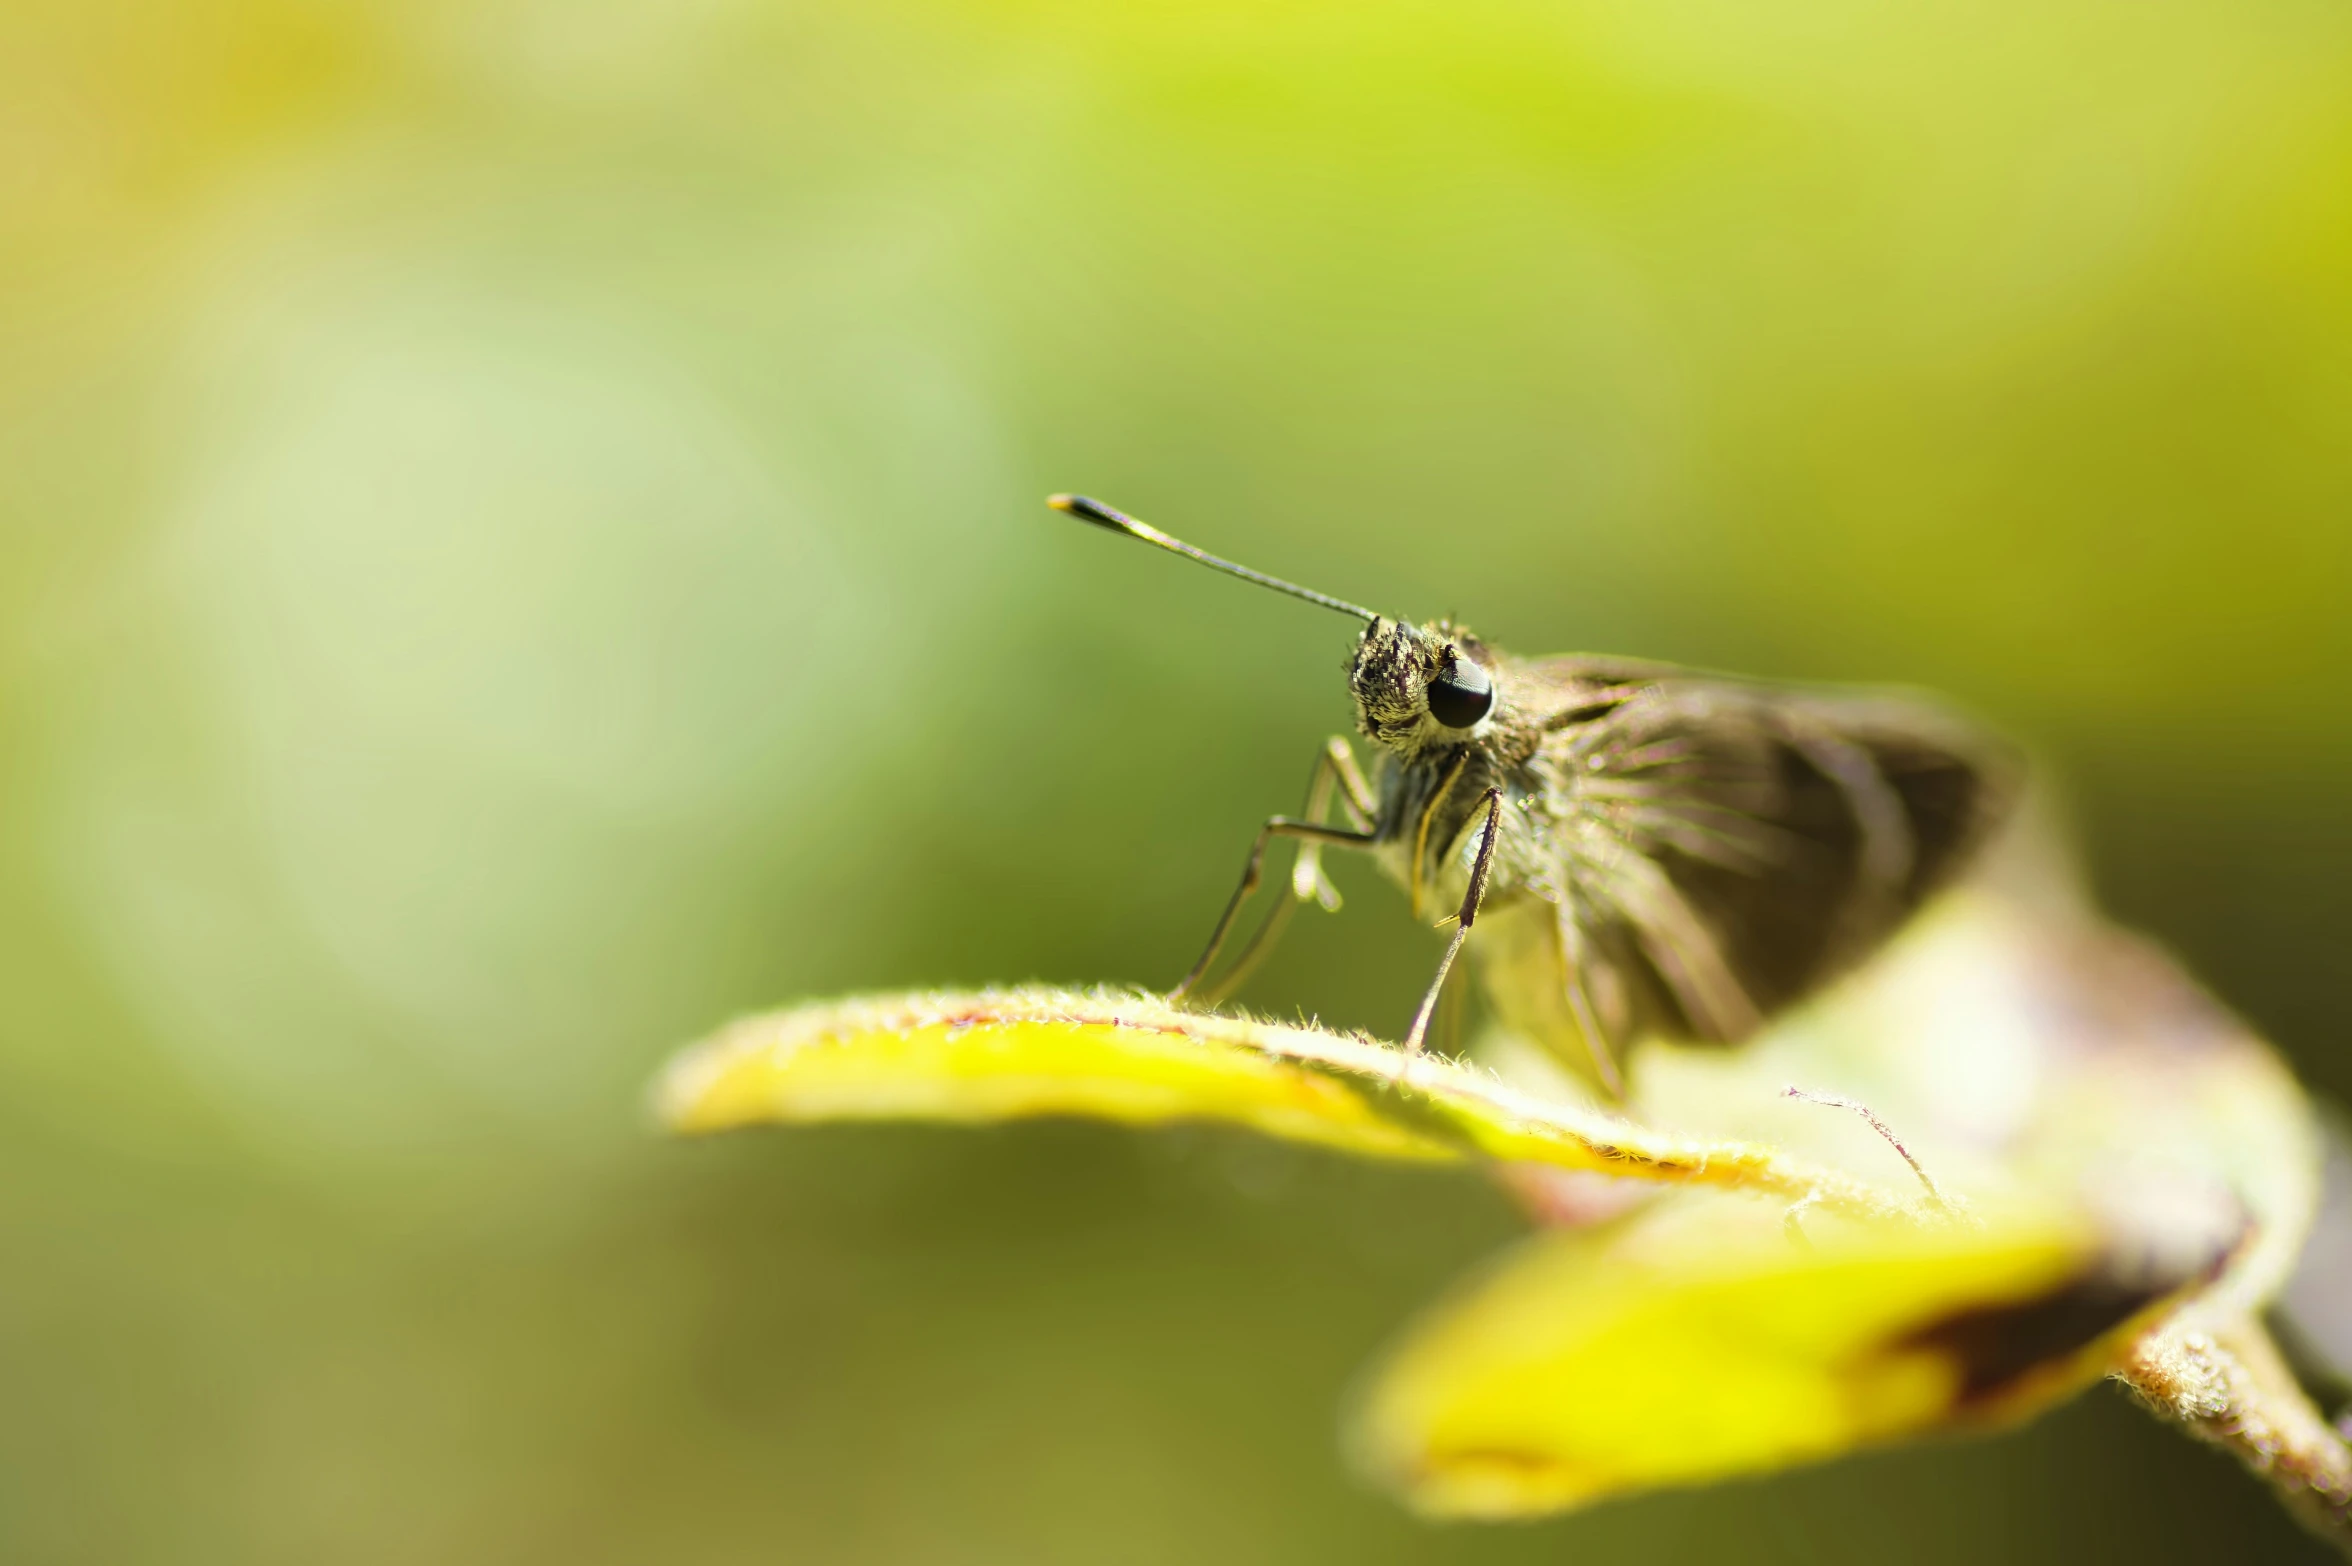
x: 2228, y: 1386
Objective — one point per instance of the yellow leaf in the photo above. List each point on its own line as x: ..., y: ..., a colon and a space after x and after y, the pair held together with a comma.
x: 1696, y: 1342
x: 1002, y: 1055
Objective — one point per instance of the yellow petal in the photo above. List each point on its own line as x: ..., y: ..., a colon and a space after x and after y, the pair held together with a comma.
x: 1002, y: 1055
x: 1698, y: 1341
x: 1008, y: 1056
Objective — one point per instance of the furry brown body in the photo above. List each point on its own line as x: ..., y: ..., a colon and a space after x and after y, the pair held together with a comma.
x: 1677, y: 854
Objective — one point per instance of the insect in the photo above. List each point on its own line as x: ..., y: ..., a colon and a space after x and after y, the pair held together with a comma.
x: 1645, y: 851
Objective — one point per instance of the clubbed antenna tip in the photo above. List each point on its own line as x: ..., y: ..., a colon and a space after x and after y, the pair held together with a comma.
x: 1088, y: 509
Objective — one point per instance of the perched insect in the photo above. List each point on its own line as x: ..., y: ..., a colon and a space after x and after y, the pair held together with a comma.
x: 1646, y: 851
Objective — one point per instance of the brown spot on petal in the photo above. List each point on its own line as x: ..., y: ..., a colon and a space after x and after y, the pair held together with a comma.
x: 1997, y: 1346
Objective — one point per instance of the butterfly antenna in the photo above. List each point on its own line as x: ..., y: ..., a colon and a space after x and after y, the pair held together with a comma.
x: 1090, y: 510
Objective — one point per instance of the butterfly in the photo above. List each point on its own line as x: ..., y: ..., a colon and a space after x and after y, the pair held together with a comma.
x: 1646, y: 851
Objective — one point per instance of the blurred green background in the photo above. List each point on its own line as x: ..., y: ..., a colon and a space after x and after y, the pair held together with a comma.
x: 522, y: 540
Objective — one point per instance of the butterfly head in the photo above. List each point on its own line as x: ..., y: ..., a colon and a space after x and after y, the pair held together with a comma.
x: 1418, y: 686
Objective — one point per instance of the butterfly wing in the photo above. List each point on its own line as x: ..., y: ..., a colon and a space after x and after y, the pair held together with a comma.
x: 1726, y: 847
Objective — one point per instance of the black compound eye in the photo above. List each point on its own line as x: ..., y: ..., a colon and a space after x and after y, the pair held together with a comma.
x: 1461, y: 694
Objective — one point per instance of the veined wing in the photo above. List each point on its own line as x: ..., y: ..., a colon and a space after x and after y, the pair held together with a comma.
x: 1728, y: 846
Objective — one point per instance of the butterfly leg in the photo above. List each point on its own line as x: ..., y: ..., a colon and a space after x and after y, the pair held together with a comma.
x: 1575, y: 972
x: 1447, y: 1025
x: 1276, y: 826
x: 1468, y: 916
x: 1335, y: 765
